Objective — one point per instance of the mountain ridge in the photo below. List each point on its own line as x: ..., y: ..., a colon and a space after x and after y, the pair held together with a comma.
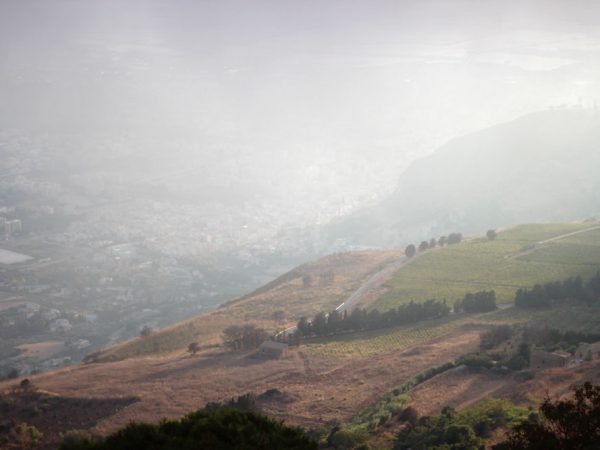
x: 473, y: 183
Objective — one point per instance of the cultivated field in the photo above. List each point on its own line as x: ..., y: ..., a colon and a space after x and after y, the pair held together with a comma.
x: 327, y: 381
x: 571, y: 317
x: 517, y: 258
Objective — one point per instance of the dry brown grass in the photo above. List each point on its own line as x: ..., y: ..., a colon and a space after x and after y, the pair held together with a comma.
x: 287, y: 294
x: 460, y: 388
x: 318, y: 390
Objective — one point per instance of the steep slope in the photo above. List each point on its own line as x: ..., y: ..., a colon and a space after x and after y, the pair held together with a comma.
x: 325, y: 380
x: 305, y: 290
x: 542, y: 167
x: 518, y: 257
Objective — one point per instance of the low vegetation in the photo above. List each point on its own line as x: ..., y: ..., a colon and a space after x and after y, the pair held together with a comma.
x: 393, y: 404
x: 569, y: 424
x: 483, y: 301
x: 220, y: 428
x: 360, y: 319
x: 243, y: 337
x: 464, y: 430
x: 573, y: 288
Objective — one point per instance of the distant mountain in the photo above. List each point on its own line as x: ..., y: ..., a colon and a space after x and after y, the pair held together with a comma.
x: 543, y: 167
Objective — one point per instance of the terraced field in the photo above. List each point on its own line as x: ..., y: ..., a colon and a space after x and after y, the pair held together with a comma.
x: 380, y: 341
x: 517, y: 258
x: 572, y: 317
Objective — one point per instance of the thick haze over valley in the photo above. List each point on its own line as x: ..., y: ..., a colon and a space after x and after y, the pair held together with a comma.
x: 163, y: 157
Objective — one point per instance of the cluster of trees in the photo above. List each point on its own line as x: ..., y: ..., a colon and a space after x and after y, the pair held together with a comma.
x: 244, y: 337
x: 495, y: 336
x: 570, y: 423
x: 567, y: 424
x: 220, y: 428
x: 491, y: 234
x: 360, y: 319
x: 552, y: 339
x: 465, y: 430
x: 482, y: 301
x: 507, y: 360
x: 246, y: 402
x: 570, y: 289
x: 453, y: 238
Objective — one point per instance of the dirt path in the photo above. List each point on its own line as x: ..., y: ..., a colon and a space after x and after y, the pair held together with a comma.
x: 539, y: 244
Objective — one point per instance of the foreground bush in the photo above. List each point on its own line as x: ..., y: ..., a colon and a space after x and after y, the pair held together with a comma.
x: 217, y: 429
x: 570, y: 424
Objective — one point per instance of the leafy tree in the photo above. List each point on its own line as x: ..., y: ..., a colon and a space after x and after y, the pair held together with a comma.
x: 438, y: 432
x: 244, y: 337
x: 495, y: 336
x: 454, y: 238
x: 554, y: 292
x: 75, y: 437
x: 432, y: 243
x: 146, y: 331
x: 410, y: 415
x: 26, y: 436
x: 442, y: 241
x: 410, y: 250
x: 304, y: 326
x: 424, y: 245
x: 359, y: 319
x: 193, y: 348
x: 482, y: 301
x: 453, y: 430
x: 491, y: 234
x: 569, y: 424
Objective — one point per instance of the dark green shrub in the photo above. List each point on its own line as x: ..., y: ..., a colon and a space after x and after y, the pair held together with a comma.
x: 477, y: 361
x: 223, y: 428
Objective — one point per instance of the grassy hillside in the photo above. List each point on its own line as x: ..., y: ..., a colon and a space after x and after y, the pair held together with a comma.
x: 540, y: 167
x: 276, y: 306
x: 519, y: 257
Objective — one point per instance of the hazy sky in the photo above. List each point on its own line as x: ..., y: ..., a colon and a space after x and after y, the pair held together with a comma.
x: 302, y: 86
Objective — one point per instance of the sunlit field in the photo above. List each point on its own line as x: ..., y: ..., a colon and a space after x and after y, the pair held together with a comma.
x: 517, y: 258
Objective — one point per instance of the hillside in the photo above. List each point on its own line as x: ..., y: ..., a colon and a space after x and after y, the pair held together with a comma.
x: 518, y: 257
x: 539, y: 168
x: 344, y: 378
x: 305, y: 290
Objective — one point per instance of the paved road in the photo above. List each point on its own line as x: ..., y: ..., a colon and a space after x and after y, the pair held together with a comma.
x: 537, y: 245
x: 374, y: 281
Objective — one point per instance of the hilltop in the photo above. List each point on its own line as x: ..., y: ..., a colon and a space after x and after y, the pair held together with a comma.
x: 539, y: 168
